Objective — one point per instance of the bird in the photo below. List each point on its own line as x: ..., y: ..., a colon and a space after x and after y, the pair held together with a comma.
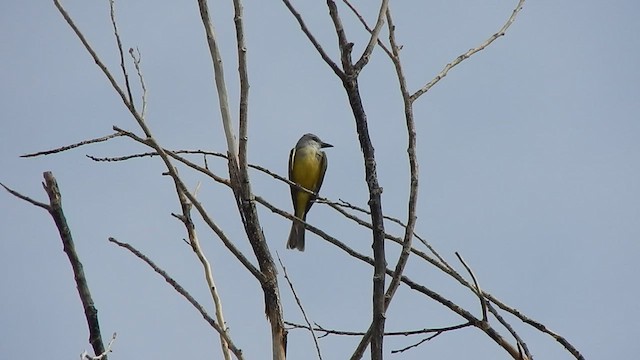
x: 307, y: 166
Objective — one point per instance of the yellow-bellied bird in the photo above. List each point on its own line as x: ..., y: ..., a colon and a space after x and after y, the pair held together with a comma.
x: 307, y: 165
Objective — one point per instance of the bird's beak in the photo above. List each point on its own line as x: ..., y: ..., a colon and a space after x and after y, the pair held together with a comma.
x: 325, y: 145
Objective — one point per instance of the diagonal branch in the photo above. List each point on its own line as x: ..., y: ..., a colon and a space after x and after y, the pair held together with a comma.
x: 304, y: 314
x: 476, y: 288
x: 182, y: 292
x: 313, y: 40
x: 364, y: 59
x: 190, y: 227
x: 116, y: 33
x: 469, y: 53
x: 26, y: 198
x: 478, y: 323
x: 90, y: 311
x: 203, y: 213
x: 366, y: 26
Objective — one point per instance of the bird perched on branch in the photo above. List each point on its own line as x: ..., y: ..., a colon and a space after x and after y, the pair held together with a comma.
x: 307, y: 165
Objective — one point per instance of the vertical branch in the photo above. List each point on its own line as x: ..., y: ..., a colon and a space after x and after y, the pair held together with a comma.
x: 413, y: 164
x: 343, y: 44
x: 137, y: 58
x: 238, y: 174
x: 121, y: 53
x: 221, y: 87
x: 350, y: 84
x: 244, y: 85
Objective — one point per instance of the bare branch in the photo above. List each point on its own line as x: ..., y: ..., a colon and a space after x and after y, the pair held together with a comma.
x: 391, y: 333
x: 221, y: 87
x: 221, y: 235
x: 244, y: 85
x: 102, y: 356
x: 206, y: 265
x: 120, y: 51
x: 304, y: 314
x: 240, y: 180
x: 343, y: 203
x: 366, y: 26
x: 416, y: 344
x: 313, y: 40
x: 90, y: 311
x: 25, y: 198
x: 364, y: 59
x: 343, y: 44
x: 492, y: 333
x: 477, y: 290
x: 469, y: 53
x: 537, y: 325
x: 510, y: 329
x: 237, y: 352
x: 72, y: 146
x: 413, y: 165
x: 413, y: 186
x: 95, y: 57
x: 137, y: 57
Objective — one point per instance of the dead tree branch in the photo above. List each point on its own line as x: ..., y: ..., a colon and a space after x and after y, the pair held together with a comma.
x: 55, y: 210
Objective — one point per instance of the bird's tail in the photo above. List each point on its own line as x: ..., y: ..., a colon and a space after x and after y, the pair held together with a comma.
x: 296, y: 236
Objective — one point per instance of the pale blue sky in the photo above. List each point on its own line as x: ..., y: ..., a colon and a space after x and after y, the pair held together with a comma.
x: 529, y: 158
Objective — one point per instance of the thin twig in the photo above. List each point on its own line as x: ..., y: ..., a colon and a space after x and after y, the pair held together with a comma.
x: 477, y: 289
x: 416, y: 344
x: 96, y: 58
x: 469, y: 53
x: 72, y: 146
x: 121, y: 53
x: 206, y: 266
x: 102, y: 356
x: 313, y: 40
x: 413, y: 165
x: 391, y: 333
x: 537, y: 325
x: 343, y: 203
x: 510, y: 329
x: 304, y: 314
x: 221, y: 235
x: 137, y: 58
x: 366, y: 26
x: 237, y: 352
x: 25, y: 198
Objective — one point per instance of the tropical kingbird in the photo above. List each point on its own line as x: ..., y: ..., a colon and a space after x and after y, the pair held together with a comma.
x: 307, y: 165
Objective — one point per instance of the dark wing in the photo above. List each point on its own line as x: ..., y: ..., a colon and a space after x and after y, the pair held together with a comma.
x: 292, y: 154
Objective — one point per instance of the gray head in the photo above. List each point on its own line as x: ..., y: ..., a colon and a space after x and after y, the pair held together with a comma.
x: 311, y: 139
